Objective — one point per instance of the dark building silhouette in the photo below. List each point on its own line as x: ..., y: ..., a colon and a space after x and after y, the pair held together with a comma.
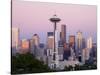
x: 67, y: 51
x: 63, y: 34
x: 50, y: 34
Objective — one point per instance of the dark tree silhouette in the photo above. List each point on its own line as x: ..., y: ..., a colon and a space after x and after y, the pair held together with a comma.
x: 26, y: 63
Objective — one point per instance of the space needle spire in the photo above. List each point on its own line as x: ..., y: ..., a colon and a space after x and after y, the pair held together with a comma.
x: 55, y: 20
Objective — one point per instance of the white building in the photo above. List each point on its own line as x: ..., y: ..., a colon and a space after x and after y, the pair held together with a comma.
x: 79, y: 42
x: 89, y: 42
x: 15, y: 40
x: 85, y: 55
x: 68, y: 63
x: 36, y: 40
x: 15, y: 37
x: 89, y: 46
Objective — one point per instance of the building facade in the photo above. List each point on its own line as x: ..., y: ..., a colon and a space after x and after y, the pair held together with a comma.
x: 63, y: 34
x: 79, y: 41
x: 15, y: 40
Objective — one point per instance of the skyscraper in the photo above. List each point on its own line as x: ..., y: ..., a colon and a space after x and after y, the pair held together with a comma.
x: 72, y: 41
x: 66, y: 51
x: 15, y: 37
x: 63, y: 34
x: 25, y: 46
x: 50, y: 34
x: 83, y: 43
x: 35, y: 41
x: 85, y: 55
x: 32, y: 46
x: 79, y: 42
x: 89, y: 42
x: 50, y: 48
x: 14, y: 40
x: 50, y: 40
x: 89, y: 47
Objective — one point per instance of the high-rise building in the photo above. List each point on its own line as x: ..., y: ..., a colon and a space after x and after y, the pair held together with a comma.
x: 79, y: 43
x: 67, y: 51
x: 72, y: 41
x: 15, y: 37
x: 14, y: 40
x: 83, y: 43
x: 60, y: 50
x: 50, y: 47
x: 93, y: 53
x: 60, y: 53
x: 34, y: 44
x: 85, y: 55
x: 42, y: 55
x: 89, y: 47
x: 50, y: 34
x: 63, y: 34
x: 50, y: 40
x: 89, y: 42
x: 25, y: 45
x: 36, y: 40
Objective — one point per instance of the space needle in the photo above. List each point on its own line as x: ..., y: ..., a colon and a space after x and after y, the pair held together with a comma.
x: 55, y: 20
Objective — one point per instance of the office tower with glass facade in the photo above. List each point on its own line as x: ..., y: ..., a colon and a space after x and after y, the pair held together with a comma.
x: 50, y: 40
x: 79, y: 42
x: 63, y: 34
x: 72, y: 41
x: 35, y: 43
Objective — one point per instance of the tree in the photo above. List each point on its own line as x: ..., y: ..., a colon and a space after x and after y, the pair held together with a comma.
x: 68, y: 68
x: 26, y: 63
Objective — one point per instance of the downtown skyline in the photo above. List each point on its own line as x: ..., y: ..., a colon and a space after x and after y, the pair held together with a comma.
x: 30, y: 21
x: 53, y: 37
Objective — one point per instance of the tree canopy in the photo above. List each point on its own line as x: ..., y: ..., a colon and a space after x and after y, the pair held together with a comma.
x: 26, y: 63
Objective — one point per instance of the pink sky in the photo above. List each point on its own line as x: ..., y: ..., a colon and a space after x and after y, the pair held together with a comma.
x: 33, y: 17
